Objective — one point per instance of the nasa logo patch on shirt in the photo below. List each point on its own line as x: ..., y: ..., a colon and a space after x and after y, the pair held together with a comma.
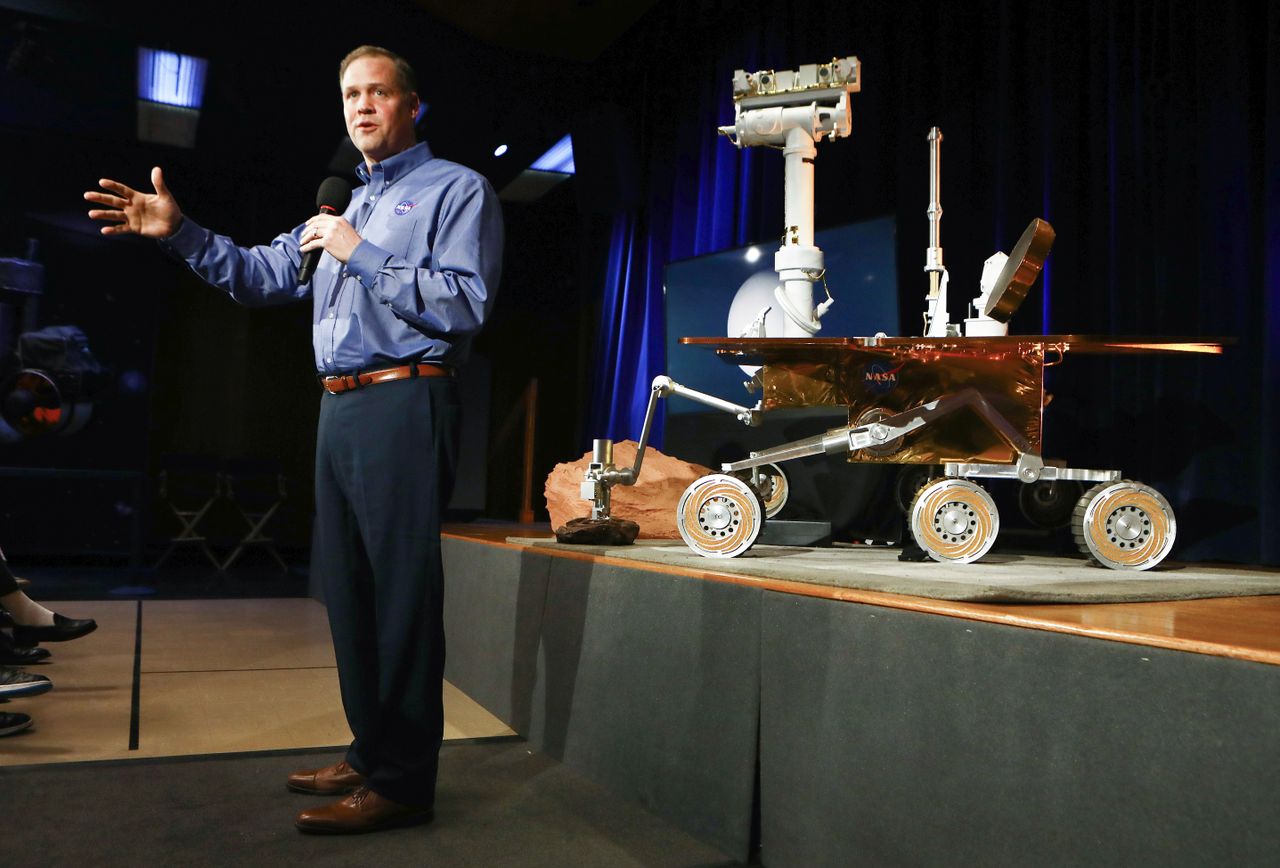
x: 404, y: 207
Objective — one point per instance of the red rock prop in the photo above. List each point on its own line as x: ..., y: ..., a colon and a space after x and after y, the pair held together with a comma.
x: 651, y: 502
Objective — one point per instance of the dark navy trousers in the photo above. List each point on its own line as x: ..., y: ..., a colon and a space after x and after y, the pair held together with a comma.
x: 385, y: 461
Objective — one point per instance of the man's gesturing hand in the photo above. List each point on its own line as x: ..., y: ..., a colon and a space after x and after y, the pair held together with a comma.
x: 130, y: 212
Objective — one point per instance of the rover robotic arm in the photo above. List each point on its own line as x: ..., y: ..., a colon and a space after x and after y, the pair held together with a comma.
x: 602, y: 474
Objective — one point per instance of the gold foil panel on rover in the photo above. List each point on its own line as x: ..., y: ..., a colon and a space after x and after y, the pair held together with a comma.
x: 1012, y: 382
x: 818, y: 381
x: 878, y: 382
x: 878, y: 377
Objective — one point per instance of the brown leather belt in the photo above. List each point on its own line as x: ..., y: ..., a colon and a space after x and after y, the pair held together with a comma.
x: 346, y: 382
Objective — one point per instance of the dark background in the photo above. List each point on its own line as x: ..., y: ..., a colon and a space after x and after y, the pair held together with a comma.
x: 1144, y: 131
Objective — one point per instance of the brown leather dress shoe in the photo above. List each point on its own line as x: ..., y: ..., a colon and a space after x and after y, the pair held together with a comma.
x: 334, y: 780
x: 362, y: 811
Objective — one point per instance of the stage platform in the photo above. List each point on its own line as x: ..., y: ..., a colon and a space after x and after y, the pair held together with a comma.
x: 829, y: 725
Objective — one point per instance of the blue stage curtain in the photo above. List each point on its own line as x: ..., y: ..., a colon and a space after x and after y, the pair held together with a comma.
x: 702, y: 197
x: 629, y: 352
x: 1157, y: 183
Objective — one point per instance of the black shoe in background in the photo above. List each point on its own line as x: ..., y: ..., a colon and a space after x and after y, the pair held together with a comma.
x: 11, y: 722
x: 13, y: 655
x: 15, y: 683
x: 62, y: 630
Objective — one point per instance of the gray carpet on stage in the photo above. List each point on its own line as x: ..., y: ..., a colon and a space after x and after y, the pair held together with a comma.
x: 995, y: 579
x: 497, y: 804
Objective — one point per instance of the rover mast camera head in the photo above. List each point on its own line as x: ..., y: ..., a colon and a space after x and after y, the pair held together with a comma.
x: 823, y: 87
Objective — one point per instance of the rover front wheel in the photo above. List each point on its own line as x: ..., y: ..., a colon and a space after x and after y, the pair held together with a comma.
x: 719, y: 516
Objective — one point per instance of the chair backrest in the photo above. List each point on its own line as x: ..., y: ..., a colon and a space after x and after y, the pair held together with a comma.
x: 254, y: 483
x: 189, y: 479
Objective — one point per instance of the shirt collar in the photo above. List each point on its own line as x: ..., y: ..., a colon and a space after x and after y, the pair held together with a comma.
x: 394, y: 168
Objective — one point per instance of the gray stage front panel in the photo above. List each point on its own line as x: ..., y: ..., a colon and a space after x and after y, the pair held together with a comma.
x: 649, y: 684
x: 897, y: 738
x: 493, y: 599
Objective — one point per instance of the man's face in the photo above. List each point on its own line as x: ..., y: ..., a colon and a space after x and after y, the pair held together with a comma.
x: 379, y: 115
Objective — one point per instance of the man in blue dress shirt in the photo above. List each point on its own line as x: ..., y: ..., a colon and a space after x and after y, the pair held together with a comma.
x: 406, y: 279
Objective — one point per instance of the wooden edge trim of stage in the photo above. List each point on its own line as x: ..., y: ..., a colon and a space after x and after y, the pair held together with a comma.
x: 995, y: 613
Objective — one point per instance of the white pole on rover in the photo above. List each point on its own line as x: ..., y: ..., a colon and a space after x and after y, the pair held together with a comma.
x: 797, y: 261
x: 936, y: 319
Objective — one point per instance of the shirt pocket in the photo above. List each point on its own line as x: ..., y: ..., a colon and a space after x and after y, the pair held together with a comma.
x: 401, y: 240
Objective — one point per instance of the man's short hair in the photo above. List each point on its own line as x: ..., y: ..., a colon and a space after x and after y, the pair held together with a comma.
x: 407, y: 80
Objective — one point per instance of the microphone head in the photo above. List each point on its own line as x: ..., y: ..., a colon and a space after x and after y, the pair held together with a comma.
x: 334, y: 195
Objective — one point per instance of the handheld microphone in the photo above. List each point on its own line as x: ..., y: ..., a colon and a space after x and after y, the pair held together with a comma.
x: 332, y: 198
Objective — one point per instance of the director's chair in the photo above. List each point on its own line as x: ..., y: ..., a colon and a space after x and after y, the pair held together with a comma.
x: 189, y: 486
x: 256, y: 488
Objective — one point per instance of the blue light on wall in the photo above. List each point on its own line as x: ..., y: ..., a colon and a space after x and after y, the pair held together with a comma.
x: 558, y: 158
x: 171, y: 79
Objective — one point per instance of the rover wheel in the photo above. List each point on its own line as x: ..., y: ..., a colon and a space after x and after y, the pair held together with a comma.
x: 1124, y: 525
x: 908, y: 482
x: 719, y: 516
x: 954, y: 520
x: 774, y: 487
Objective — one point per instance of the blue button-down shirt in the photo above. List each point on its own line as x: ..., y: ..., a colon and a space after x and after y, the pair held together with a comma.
x: 418, y: 287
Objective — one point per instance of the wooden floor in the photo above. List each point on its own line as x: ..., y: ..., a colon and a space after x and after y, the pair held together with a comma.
x: 1246, y: 628
x: 212, y: 676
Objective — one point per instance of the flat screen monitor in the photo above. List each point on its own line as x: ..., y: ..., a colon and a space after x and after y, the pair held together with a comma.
x: 706, y: 294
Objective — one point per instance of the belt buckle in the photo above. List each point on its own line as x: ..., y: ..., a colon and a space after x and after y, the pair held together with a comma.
x: 335, y: 379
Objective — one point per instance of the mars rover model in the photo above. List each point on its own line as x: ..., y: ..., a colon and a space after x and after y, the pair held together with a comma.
x: 970, y: 403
